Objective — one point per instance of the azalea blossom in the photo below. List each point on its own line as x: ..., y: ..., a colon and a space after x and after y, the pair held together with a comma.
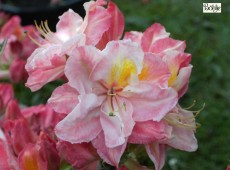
x: 17, y: 49
x: 176, y: 130
x: 112, y: 91
x: 156, y: 40
x: 48, y: 61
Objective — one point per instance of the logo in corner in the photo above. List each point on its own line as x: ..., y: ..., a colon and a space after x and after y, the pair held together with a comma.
x: 211, y: 7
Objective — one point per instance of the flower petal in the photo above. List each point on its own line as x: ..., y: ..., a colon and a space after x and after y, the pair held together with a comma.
x: 167, y: 44
x: 82, y: 124
x: 119, y: 125
x: 155, y: 70
x: 7, y: 159
x: 64, y: 99
x: 184, y: 126
x: 134, y: 36
x: 181, y: 83
x: 44, y: 65
x: 79, y: 66
x: 97, y: 18
x: 69, y: 25
x: 78, y: 155
x: 149, y: 132
x: 120, y: 65
x: 6, y: 93
x: 151, y: 35
x: 111, y: 156
x: 156, y: 153
x: 116, y: 28
x: 150, y: 102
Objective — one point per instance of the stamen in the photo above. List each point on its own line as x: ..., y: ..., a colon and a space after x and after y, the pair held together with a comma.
x: 187, y: 122
x: 110, y: 94
x: 193, y: 104
x: 45, y: 31
x: 32, y: 39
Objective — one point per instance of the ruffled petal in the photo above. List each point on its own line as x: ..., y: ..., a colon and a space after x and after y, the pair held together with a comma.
x: 116, y: 121
x: 64, y: 99
x: 69, y: 25
x: 134, y: 36
x: 111, y: 156
x: 181, y: 83
x: 155, y: 70
x: 151, y: 35
x: 116, y: 28
x: 167, y: 44
x: 120, y: 65
x: 97, y: 18
x: 82, y: 124
x: 184, y: 126
x: 79, y: 67
x: 149, y: 132
x: 44, y: 65
x: 150, y: 102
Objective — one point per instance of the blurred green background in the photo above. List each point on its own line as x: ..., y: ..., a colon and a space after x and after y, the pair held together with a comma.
x: 208, y: 40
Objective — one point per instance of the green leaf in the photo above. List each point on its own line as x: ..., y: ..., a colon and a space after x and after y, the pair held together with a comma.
x: 2, y: 46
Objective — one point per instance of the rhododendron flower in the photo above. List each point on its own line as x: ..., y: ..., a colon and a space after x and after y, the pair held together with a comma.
x: 47, y: 62
x: 156, y: 40
x: 42, y: 155
x: 27, y: 140
x: 17, y: 50
x: 111, y: 97
x: 176, y: 130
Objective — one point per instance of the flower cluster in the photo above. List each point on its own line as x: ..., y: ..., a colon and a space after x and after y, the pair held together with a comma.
x: 19, y: 47
x: 121, y: 89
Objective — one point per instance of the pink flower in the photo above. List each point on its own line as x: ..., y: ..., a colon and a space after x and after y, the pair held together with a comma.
x: 41, y: 118
x: 28, y: 135
x: 156, y: 41
x: 48, y: 61
x: 111, y: 97
x: 17, y: 50
x: 176, y: 130
x: 42, y: 155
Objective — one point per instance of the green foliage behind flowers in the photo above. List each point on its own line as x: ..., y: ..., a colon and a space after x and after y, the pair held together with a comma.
x: 207, y: 39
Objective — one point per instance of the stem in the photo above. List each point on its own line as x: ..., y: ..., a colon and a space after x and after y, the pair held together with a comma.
x: 4, y: 74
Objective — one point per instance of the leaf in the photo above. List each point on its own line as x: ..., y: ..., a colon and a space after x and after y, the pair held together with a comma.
x: 2, y: 46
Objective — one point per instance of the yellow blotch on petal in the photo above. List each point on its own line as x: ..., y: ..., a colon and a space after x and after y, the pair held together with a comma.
x: 29, y: 161
x: 144, y: 73
x: 121, y: 73
x: 173, y: 76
